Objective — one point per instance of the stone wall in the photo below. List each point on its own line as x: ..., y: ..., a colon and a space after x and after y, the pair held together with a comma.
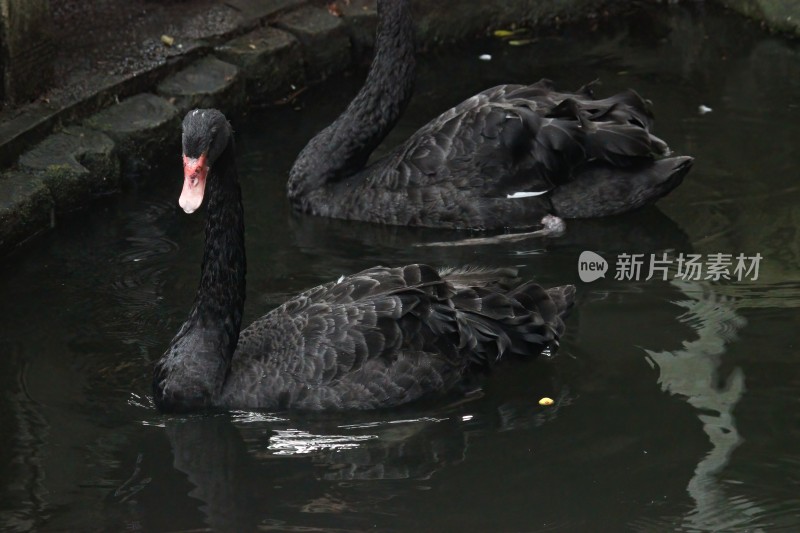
x: 26, y: 49
x: 779, y: 15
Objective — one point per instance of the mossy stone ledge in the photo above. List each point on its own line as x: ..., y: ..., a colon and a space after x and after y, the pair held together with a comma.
x: 75, y: 164
x: 361, y: 20
x: 326, y: 45
x: 26, y: 208
x: 144, y: 127
x: 208, y: 82
x: 269, y: 59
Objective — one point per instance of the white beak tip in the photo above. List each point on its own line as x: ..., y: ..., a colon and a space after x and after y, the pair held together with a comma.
x: 188, y: 206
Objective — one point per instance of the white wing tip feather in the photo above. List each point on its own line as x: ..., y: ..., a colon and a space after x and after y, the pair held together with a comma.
x: 526, y: 194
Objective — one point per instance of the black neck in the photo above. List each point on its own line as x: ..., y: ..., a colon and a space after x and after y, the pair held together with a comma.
x: 344, y: 147
x: 192, y: 372
x: 219, y: 302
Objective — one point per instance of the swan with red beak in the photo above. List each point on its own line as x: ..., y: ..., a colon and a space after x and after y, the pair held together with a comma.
x: 201, y: 147
x: 195, y: 174
x: 376, y: 339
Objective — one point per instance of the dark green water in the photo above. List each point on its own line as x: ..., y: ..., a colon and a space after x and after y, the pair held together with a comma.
x: 676, y: 403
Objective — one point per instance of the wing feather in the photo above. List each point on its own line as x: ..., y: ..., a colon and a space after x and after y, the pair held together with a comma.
x: 386, y: 336
x: 517, y: 138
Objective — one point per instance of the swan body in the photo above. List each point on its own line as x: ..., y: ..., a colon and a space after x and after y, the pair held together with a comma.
x: 379, y: 338
x: 505, y: 157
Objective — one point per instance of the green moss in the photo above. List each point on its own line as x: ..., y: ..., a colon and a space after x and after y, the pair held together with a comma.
x: 26, y: 208
x: 780, y: 15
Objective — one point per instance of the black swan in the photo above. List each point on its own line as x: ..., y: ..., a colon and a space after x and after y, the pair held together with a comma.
x: 379, y: 338
x: 507, y: 157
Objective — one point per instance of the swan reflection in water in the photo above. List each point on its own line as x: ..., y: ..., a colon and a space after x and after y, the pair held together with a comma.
x: 246, y: 466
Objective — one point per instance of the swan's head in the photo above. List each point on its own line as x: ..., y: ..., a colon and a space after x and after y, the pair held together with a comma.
x: 206, y: 132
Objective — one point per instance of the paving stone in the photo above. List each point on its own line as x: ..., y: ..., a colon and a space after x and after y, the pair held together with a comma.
x: 361, y: 20
x: 270, y: 61
x: 21, y: 131
x: 143, y: 127
x: 326, y: 45
x: 261, y: 9
x: 26, y: 208
x: 75, y: 164
x: 207, y: 82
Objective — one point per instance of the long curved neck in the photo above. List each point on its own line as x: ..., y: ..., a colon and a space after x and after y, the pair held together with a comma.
x: 219, y: 301
x: 193, y: 370
x: 344, y: 147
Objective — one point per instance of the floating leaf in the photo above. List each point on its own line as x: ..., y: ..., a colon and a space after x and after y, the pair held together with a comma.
x: 334, y: 9
x: 521, y: 42
x: 167, y: 40
x: 509, y: 33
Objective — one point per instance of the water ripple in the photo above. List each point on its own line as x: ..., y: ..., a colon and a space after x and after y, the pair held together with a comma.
x: 298, y: 442
x: 254, y: 417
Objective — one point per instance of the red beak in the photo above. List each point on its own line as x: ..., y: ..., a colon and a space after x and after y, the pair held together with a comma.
x: 195, y: 172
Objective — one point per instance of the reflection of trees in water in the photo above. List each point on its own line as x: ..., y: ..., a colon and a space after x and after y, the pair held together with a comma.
x: 693, y: 371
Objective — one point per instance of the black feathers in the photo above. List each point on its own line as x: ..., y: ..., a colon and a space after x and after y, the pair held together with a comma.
x: 379, y: 338
x: 191, y: 374
x: 387, y: 336
x: 477, y: 164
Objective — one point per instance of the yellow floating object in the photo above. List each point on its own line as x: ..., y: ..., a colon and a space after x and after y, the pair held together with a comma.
x: 167, y: 40
x: 521, y: 42
x: 508, y: 33
x: 546, y: 401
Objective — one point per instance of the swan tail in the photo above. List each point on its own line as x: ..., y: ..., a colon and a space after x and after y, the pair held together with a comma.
x: 500, y: 316
x: 600, y: 189
x: 559, y: 136
x: 615, y: 130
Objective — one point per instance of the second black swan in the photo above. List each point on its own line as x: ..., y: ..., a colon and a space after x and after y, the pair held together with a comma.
x: 379, y: 338
x: 507, y: 157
